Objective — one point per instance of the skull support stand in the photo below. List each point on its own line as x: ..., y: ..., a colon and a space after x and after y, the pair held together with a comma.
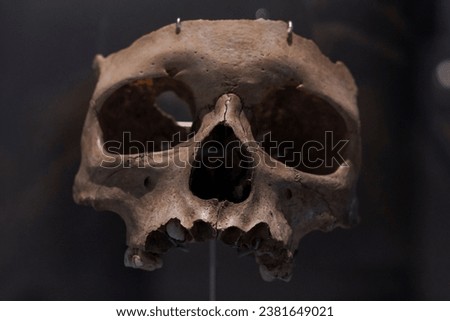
x: 212, y: 270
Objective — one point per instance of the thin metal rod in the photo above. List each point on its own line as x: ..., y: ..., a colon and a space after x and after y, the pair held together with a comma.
x: 290, y: 28
x: 178, y: 26
x: 212, y: 270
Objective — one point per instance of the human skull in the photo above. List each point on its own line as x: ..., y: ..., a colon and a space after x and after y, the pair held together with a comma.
x: 272, y: 154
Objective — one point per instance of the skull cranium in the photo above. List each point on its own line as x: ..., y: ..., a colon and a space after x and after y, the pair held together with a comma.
x: 258, y: 168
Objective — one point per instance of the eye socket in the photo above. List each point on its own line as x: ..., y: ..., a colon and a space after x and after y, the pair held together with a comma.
x: 143, y: 116
x: 171, y: 103
x: 300, y: 130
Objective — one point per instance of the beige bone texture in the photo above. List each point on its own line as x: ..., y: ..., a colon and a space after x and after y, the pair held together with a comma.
x: 273, y: 152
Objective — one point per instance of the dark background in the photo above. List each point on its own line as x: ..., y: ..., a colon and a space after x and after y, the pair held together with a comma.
x: 53, y: 249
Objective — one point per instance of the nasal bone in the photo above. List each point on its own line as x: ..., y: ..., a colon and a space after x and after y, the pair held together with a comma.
x: 228, y: 105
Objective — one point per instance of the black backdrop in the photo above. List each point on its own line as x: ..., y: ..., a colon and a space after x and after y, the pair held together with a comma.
x: 53, y: 249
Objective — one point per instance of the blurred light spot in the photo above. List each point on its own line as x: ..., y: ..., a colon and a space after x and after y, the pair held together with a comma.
x: 443, y: 73
x: 262, y: 13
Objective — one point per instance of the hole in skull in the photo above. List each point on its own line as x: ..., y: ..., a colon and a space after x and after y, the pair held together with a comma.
x: 176, y: 231
x: 300, y: 130
x: 148, y: 183
x: 172, y: 104
x: 202, y: 231
x: 252, y: 239
x: 158, y: 242
x: 231, y: 236
x: 247, y: 243
x: 132, y: 122
x: 222, y: 167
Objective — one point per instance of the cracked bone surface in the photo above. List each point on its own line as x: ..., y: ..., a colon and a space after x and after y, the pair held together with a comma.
x: 272, y: 153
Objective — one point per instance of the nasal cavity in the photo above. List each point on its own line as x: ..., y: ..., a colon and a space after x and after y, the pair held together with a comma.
x: 222, y: 168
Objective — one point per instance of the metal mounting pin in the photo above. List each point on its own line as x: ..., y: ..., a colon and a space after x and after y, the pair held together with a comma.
x: 178, y: 26
x: 290, y: 28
